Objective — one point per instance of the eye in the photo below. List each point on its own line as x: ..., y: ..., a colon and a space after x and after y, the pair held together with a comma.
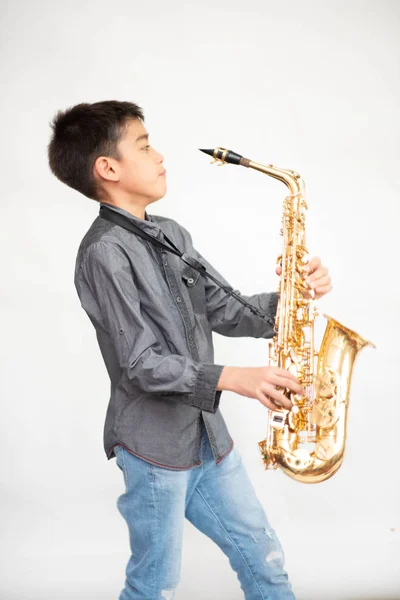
x: 146, y: 148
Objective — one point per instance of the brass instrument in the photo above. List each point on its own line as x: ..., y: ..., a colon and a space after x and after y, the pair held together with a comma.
x: 307, y: 442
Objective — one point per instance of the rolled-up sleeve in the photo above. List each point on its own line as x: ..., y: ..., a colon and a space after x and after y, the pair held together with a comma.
x: 226, y: 314
x: 108, y: 293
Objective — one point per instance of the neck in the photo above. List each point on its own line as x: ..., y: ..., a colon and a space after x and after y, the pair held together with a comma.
x: 136, y: 211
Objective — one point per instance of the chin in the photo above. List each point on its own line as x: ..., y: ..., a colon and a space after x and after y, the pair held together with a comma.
x: 152, y: 200
x: 157, y: 198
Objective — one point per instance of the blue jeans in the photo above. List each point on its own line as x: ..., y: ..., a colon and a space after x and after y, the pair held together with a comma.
x: 220, y: 501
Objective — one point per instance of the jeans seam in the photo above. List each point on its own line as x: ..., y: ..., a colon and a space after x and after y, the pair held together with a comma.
x: 233, y: 542
x: 156, y: 520
x: 125, y: 469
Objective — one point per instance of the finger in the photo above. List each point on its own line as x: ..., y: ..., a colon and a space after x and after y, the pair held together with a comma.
x: 314, y: 282
x: 266, y: 401
x: 322, y: 291
x: 307, y: 295
x: 276, y: 395
x: 322, y: 283
x: 312, y: 264
x: 293, y: 386
x: 283, y: 373
x: 317, y: 274
x: 278, y: 270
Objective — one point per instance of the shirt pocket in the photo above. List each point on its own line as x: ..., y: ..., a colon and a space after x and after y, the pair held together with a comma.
x: 193, y: 282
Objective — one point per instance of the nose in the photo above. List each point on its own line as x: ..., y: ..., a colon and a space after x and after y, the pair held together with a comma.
x: 160, y: 157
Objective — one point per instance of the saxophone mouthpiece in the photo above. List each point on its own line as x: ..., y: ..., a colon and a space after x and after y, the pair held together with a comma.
x: 209, y: 152
x: 222, y: 155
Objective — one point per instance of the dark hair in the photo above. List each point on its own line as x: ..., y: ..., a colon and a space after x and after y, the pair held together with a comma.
x: 81, y: 134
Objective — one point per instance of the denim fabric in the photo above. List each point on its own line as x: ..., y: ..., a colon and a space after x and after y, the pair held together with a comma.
x: 221, y: 502
x: 154, y: 317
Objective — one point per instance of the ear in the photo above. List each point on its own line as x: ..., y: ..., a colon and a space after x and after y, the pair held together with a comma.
x: 106, y: 168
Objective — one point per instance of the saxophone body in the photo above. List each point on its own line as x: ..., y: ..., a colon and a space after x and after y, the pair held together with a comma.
x: 308, y: 442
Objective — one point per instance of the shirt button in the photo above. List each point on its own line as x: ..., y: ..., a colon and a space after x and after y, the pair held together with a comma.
x: 178, y: 299
x: 165, y: 262
x: 190, y: 280
x: 121, y: 331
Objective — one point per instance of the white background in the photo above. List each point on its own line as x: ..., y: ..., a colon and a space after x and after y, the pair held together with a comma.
x: 312, y: 86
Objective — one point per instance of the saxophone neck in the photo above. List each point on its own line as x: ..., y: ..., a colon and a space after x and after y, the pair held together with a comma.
x: 290, y: 178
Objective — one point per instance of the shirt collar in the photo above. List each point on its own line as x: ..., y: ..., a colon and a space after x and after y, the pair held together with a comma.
x: 148, y: 224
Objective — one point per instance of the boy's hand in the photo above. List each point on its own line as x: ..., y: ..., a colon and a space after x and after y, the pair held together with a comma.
x: 262, y: 383
x: 317, y: 277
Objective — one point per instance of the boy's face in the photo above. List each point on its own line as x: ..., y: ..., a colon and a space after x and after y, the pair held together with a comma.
x: 139, y: 175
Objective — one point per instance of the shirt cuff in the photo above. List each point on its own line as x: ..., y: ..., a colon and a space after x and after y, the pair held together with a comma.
x: 273, y: 304
x: 206, y: 395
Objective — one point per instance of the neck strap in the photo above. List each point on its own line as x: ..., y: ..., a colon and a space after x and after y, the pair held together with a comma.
x: 123, y: 221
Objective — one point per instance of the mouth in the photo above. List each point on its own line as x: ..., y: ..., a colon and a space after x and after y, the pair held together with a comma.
x: 163, y: 173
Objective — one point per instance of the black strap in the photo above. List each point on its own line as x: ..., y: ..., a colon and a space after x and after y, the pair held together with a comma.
x: 123, y: 221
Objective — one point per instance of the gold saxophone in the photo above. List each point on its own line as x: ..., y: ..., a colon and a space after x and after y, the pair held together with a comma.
x: 307, y: 442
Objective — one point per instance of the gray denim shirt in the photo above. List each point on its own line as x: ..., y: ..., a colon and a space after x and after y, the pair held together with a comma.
x: 154, y: 316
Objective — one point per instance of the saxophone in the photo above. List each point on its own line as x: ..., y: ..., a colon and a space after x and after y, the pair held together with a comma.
x: 308, y: 441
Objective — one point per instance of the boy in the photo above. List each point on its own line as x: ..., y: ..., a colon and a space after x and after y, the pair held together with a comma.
x: 154, y: 316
